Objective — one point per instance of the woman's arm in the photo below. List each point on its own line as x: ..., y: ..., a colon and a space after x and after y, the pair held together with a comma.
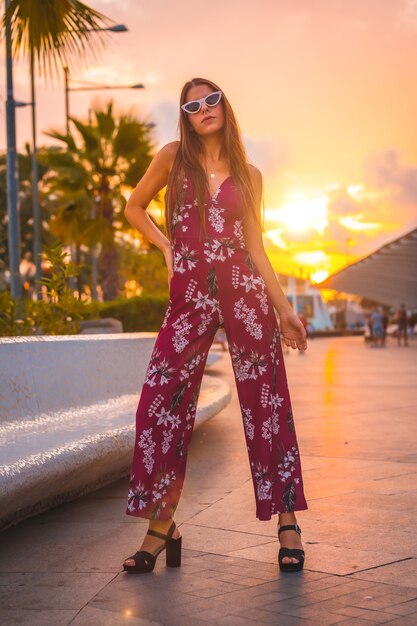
x: 292, y: 328
x: 154, y: 179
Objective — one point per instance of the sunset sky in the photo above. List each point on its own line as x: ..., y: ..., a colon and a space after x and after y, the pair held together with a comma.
x: 325, y: 92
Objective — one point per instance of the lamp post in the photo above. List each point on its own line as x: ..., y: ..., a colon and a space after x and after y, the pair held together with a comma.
x: 35, y: 190
x: 90, y: 87
x: 12, y: 173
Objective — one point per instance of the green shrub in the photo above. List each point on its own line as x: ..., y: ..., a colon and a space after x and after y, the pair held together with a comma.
x: 138, y: 314
x: 58, y: 314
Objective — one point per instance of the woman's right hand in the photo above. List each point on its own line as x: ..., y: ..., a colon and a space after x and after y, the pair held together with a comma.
x: 169, y: 260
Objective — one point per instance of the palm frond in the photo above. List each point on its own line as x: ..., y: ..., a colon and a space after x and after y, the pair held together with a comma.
x: 67, y: 139
x: 88, y: 133
x: 59, y: 33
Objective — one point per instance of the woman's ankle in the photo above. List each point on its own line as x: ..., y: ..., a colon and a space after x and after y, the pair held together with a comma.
x: 286, y: 518
x: 160, y: 524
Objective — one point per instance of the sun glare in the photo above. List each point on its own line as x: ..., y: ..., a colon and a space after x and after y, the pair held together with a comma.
x: 300, y: 213
x: 354, y: 224
x: 317, y: 277
x: 275, y: 236
x: 311, y: 257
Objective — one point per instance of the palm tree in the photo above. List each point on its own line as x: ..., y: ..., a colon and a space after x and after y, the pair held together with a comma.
x: 51, y: 34
x: 55, y: 33
x: 88, y: 177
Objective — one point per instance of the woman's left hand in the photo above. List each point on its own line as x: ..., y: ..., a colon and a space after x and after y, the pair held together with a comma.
x: 293, y: 331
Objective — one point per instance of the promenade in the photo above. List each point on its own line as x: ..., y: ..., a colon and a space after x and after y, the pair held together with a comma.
x: 355, y: 415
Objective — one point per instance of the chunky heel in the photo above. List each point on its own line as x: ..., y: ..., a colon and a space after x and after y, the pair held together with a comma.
x: 173, y: 552
x: 290, y: 552
x: 145, y: 561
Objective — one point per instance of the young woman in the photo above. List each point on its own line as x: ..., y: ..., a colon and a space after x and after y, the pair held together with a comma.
x: 219, y: 276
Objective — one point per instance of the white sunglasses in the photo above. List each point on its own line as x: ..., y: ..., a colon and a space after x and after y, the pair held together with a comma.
x: 210, y: 100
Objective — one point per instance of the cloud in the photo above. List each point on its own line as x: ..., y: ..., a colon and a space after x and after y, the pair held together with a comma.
x: 399, y: 181
x: 269, y: 156
x: 342, y: 204
x: 165, y: 115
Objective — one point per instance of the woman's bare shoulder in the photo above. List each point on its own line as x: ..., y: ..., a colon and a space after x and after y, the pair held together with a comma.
x: 255, y: 175
x: 254, y: 171
x: 168, y: 152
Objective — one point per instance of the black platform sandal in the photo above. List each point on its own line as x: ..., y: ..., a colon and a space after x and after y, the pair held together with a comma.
x: 296, y: 553
x: 145, y: 561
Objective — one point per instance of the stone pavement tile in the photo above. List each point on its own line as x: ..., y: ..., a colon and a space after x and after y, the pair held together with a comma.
x: 243, y: 572
x: 373, y: 615
x: 228, y: 513
x: 219, y: 540
x: 380, y: 501
x: 155, y: 609
x: 349, y: 611
x: 213, y: 588
x: 235, y: 565
x: 36, y: 617
x: 260, y: 616
x: 396, y: 573
x: 406, y: 620
x: 233, y: 620
x: 315, y: 615
x: 50, y: 547
x: 328, y: 511
x: 400, y: 483
x: 381, y: 602
x: 173, y: 583
x: 356, y: 621
x: 50, y: 591
x: 89, y: 616
x: 143, y: 595
x: 229, y: 603
x: 295, y: 584
x: 323, y: 557
x: 404, y: 608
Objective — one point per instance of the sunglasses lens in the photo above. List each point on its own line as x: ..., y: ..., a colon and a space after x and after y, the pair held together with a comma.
x: 213, y: 98
x: 192, y: 107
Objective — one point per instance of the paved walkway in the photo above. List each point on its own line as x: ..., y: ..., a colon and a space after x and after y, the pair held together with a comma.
x: 355, y: 416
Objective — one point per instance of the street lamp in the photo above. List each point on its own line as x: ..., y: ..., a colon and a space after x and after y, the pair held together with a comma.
x: 35, y: 196
x: 90, y: 87
x: 12, y: 173
x: 117, y: 28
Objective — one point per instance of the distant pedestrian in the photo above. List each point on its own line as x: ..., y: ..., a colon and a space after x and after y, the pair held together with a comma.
x: 402, y: 323
x: 377, y: 327
x: 385, y: 321
x: 411, y: 323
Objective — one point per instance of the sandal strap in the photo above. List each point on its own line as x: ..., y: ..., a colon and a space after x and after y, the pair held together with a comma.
x: 156, y: 533
x: 290, y: 527
x: 297, y: 553
x: 142, y: 555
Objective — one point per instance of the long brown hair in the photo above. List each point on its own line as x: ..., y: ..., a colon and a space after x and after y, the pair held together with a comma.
x: 187, y: 156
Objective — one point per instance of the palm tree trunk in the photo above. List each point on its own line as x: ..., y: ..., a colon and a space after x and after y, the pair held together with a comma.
x: 78, y: 280
x: 108, y: 259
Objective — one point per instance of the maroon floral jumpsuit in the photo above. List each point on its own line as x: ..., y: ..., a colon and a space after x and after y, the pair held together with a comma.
x: 215, y: 283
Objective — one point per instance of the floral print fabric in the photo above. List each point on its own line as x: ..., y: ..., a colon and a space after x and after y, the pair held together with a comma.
x: 215, y: 283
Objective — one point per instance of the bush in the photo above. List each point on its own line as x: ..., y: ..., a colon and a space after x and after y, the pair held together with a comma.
x: 58, y: 314
x: 138, y: 314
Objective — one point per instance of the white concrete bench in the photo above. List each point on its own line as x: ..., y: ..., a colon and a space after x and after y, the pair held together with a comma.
x: 67, y: 415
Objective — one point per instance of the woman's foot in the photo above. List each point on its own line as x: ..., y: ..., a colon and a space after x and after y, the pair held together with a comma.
x: 151, y: 543
x: 289, y: 538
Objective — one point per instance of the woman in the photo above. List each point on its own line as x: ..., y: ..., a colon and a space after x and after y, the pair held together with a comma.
x: 219, y: 276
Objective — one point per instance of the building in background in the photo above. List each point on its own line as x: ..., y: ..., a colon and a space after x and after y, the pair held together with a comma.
x: 306, y: 300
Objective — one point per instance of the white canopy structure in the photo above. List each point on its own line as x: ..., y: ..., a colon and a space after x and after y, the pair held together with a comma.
x: 388, y: 275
